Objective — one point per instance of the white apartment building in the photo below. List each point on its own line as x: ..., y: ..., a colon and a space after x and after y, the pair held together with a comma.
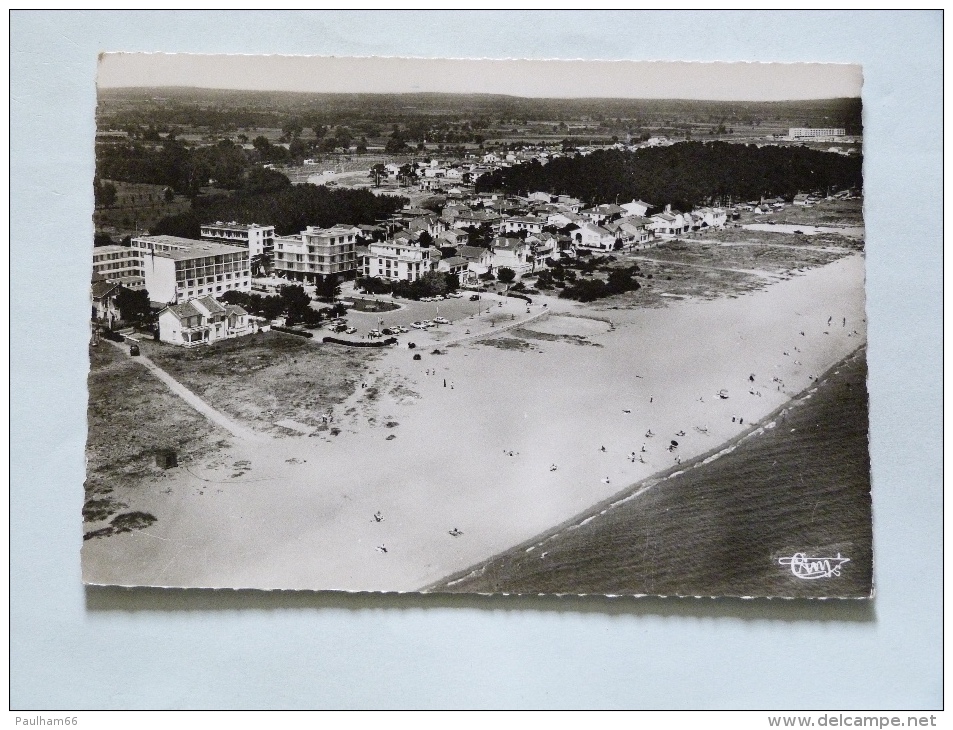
x: 317, y: 253
x: 517, y: 223
x: 202, y: 320
x: 120, y: 264
x: 176, y: 269
x: 811, y: 133
x: 259, y: 240
x: 397, y: 261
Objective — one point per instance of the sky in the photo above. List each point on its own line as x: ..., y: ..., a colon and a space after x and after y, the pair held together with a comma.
x: 528, y: 78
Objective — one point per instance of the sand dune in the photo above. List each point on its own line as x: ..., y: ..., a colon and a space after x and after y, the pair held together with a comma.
x: 302, y: 514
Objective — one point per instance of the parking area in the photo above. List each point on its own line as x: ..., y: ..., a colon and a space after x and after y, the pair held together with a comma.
x: 464, y: 317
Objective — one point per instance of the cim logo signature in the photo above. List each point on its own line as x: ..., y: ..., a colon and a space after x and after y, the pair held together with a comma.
x: 807, y: 568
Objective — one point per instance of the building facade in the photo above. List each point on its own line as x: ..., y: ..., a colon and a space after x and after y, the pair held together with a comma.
x: 122, y: 264
x: 317, y: 253
x: 259, y: 240
x: 397, y: 261
x: 810, y: 133
x: 176, y: 269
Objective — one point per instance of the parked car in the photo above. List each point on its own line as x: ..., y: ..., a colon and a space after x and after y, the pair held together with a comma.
x: 388, y: 331
x: 474, y: 297
x: 134, y: 350
x: 441, y: 320
x: 419, y: 326
x: 455, y: 295
x: 402, y: 329
x: 350, y: 331
x: 374, y: 333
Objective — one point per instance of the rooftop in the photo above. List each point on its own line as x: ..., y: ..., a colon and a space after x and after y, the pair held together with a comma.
x: 233, y: 226
x: 190, y: 249
x: 113, y: 248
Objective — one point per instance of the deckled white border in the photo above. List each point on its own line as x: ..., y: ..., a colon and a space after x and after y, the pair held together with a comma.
x: 72, y: 649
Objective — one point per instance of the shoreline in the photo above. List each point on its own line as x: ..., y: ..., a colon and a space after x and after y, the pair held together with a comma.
x: 638, y: 488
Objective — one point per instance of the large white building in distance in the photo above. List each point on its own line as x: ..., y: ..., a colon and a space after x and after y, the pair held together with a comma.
x: 259, y: 240
x: 177, y: 269
x: 811, y: 133
x: 316, y: 253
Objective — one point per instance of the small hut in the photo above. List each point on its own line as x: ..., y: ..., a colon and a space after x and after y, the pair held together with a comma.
x: 166, y: 459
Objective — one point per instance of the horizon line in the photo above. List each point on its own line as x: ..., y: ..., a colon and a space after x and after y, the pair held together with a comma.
x: 468, y: 93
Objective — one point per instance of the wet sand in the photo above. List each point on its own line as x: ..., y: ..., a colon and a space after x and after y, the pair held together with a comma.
x: 301, y: 512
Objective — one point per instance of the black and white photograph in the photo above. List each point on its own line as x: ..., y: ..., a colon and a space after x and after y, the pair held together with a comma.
x: 478, y: 326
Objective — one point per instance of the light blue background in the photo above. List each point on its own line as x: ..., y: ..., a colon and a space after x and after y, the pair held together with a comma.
x: 72, y: 648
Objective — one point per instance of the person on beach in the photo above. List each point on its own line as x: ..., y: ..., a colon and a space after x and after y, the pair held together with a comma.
x: 602, y: 449
x: 643, y: 448
x: 649, y: 434
x: 444, y: 382
x: 606, y: 480
x: 641, y: 460
x: 378, y: 517
x: 741, y: 421
x: 829, y: 320
x: 552, y: 467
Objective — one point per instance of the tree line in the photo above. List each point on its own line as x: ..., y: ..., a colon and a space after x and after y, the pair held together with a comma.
x: 686, y: 175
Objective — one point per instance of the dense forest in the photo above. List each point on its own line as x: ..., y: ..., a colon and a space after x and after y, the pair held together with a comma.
x: 290, y: 209
x: 686, y: 175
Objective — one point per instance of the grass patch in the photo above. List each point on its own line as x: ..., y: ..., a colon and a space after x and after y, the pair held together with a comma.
x: 267, y: 377
x: 130, y: 416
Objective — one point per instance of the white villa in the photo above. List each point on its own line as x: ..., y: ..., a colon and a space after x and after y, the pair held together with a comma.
x: 201, y: 321
x: 397, y: 260
x: 589, y: 235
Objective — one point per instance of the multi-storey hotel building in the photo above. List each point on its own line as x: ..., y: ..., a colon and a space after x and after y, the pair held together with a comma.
x: 811, y: 133
x: 119, y: 264
x: 259, y: 240
x: 317, y: 253
x: 176, y: 269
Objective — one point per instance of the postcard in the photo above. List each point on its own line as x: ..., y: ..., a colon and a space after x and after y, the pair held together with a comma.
x: 474, y: 326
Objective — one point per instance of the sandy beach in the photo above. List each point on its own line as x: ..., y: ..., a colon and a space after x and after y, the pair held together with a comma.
x: 471, y: 448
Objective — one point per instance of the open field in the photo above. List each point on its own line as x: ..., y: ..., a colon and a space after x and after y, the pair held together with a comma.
x: 138, y: 207
x: 825, y: 213
x: 746, y: 251
x: 268, y: 377
x: 132, y: 415
x: 455, y: 452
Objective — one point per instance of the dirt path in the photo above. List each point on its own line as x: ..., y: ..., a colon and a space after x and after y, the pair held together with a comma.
x: 191, y: 398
